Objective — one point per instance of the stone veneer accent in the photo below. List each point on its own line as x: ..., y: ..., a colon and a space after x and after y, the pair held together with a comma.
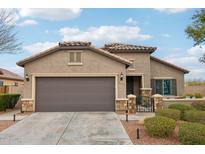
x: 27, y: 105
x: 131, y: 104
x: 146, y: 92
x: 121, y: 105
x: 158, y: 101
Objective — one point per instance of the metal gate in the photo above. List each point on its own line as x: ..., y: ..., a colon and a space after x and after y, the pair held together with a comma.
x: 144, y: 104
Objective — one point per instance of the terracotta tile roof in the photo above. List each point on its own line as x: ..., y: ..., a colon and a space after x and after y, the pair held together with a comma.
x: 74, y: 43
x: 119, y: 47
x: 5, y: 74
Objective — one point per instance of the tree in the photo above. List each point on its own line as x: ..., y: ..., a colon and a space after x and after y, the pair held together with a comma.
x: 8, y: 40
x: 196, y: 30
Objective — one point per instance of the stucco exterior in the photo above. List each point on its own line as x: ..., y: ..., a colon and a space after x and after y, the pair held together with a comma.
x: 162, y: 71
x: 113, y: 61
x: 141, y: 64
x: 92, y: 64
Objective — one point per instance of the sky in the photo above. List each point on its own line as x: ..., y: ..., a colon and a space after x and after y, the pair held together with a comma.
x: 39, y: 29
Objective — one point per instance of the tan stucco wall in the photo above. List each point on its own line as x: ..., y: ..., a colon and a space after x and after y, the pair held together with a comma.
x: 159, y: 70
x: 57, y: 62
x: 141, y: 63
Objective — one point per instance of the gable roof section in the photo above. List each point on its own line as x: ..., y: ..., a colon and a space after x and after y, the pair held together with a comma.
x: 128, y: 48
x: 73, y: 45
x: 5, y: 74
x: 169, y: 64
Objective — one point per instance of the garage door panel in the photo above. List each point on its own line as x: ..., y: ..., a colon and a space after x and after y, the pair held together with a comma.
x: 75, y: 94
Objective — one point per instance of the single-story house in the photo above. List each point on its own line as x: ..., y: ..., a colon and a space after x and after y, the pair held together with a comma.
x: 8, y: 80
x: 76, y: 76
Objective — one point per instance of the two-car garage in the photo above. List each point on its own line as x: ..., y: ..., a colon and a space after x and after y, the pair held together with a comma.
x: 72, y: 94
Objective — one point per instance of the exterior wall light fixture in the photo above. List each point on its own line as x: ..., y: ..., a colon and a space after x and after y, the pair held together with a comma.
x: 27, y: 77
x: 121, y: 76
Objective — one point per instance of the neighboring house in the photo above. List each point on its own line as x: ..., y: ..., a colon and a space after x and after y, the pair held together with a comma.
x: 76, y: 76
x: 10, y: 82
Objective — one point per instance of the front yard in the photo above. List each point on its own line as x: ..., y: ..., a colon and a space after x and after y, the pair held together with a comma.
x: 5, y: 124
x: 179, y: 124
x: 131, y: 129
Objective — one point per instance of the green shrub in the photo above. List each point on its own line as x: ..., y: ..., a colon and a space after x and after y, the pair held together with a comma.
x: 8, y: 101
x: 198, y: 95
x: 159, y: 126
x: 199, y: 105
x: 170, y: 113
x: 195, y: 116
x: 182, y: 108
x: 192, y: 134
x: 189, y: 95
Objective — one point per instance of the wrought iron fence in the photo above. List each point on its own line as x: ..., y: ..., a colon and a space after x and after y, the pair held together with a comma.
x: 144, y: 104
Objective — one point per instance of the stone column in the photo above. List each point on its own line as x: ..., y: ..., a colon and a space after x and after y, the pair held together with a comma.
x: 121, y: 105
x: 146, y: 92
x: 158, y: 101
x: 131, y: 103
x: 27, y: 105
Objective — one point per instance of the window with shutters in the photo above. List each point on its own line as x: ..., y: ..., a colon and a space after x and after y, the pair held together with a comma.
x: 164, y: 86
x: 75, y: 58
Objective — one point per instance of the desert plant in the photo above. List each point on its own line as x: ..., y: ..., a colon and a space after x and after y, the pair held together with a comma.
x: 189, y: 95
x: 192, y: 134
x: 198, y: 95
x: 195, y: 116
x: 159, y: 126
x: 8, y: 101
x: 182, y: 108
x: 199, y: 105
x: 170, y: 113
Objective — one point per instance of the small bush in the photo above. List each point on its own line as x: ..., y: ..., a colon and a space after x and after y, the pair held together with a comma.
x: 159, y: 126
x: 198, y: 95
x: 8, y: 101
x: 192, y: 134
x: 199, y: 105
x: 182, y: 108
x: 170, y: 113
x: 189, y: 95
x: 195, y: 116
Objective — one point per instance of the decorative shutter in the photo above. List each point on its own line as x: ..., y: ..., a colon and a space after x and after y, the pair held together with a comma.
x: 78, y: 57
x: 153, y: 86
x: 72, y: 57
x: 174, y: 87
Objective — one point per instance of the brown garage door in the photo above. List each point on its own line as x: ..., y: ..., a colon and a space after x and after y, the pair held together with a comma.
x: 61, y: 94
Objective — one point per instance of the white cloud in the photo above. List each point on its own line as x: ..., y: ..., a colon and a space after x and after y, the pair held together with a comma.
x: 39, y: 47
x: 104, y: 33
x: 28, y: 23
x: 190, y: 61
x: 171, y: 10
x: 51, y: 13
x: 197, y: 50
x: 131, y: 21
x: 46, y: 31
x: 15, y: 69
x: 166, y: 35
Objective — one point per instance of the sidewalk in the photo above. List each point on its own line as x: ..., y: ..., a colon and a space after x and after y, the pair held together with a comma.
x: 8, y: 115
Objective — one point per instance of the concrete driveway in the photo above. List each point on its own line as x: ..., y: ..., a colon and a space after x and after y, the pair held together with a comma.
x: 67, y: 128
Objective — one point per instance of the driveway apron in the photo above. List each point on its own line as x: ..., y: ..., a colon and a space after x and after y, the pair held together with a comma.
x: 67, y: 128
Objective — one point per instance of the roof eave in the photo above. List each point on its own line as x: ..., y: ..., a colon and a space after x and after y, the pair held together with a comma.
x: 49, y: 51
x: 171, y: 65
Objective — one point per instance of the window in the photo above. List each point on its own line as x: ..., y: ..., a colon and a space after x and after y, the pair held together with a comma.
x: 164, y: 87
x: 16, y: 84
x: 75, y: 57
x: 132, y: 66
x: 1, y: 83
